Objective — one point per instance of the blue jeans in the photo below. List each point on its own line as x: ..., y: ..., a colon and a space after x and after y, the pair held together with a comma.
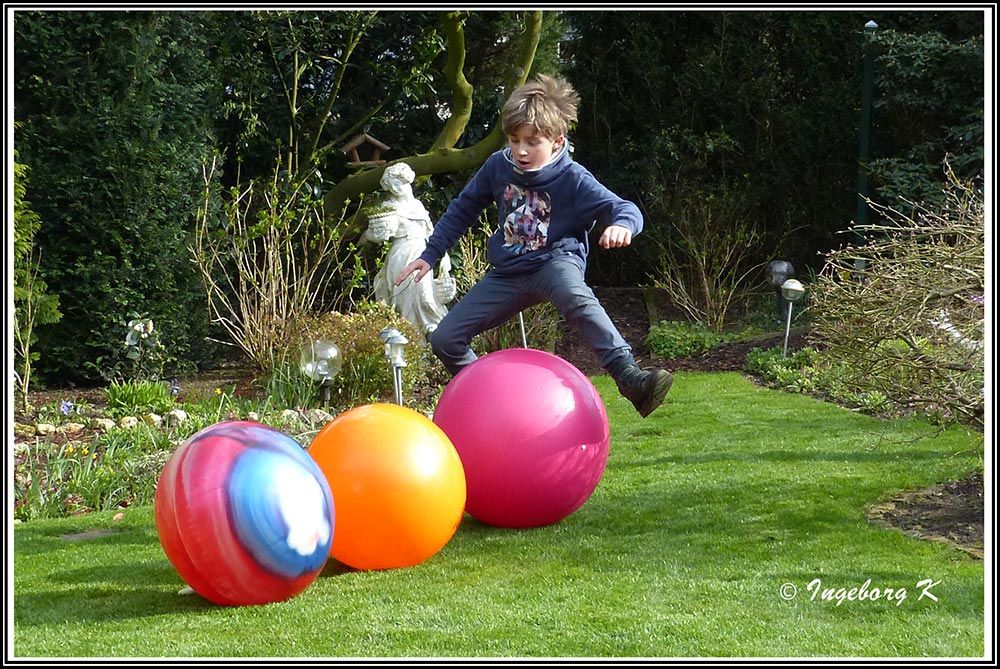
x: 497, y: 298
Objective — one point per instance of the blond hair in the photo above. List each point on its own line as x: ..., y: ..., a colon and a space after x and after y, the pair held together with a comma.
x: 548, y: 104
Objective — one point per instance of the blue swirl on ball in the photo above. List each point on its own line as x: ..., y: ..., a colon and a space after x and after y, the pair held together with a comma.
x: 281, y: 510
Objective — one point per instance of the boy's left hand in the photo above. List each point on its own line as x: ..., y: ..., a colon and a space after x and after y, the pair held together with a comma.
x: 615, y: 236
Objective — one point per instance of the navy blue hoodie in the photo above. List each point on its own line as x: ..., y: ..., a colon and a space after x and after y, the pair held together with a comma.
x: 542, y: 212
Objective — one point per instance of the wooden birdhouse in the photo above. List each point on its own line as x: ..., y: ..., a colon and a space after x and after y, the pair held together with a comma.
x: 364, y: 150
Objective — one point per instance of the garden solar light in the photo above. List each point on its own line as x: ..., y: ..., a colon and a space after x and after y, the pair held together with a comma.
x: 385, y: 335
x: 792, y: 290
x: 395, y: 345
x: 777, y: 272
x: 320, y: 361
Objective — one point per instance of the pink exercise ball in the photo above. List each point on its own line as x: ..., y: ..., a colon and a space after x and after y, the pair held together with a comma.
x: 532, y: 433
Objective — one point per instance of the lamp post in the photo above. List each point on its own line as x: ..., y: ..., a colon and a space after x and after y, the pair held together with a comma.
x: 395, y: 344
x: 791, y: 290
x: 865, y: 142
x: 320, y: 361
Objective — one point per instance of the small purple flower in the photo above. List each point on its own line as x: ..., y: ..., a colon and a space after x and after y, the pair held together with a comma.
x: 977, y: 299
x: 66, y: 407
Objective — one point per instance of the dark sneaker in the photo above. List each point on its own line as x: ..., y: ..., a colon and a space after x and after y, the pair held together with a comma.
x: 645, y: 390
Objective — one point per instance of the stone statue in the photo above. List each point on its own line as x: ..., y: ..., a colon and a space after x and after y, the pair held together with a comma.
x: 408, y: 225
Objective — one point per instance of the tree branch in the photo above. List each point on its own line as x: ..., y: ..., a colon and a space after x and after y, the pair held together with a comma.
x: 352, y: 43
x: 461, y: 100
x: 440, y: 159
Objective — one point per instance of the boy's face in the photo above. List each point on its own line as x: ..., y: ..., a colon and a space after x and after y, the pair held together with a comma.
x: 530, y: 149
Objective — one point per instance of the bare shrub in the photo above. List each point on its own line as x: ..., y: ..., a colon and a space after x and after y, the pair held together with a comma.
x: 706, y: 264
x: 911, y: 324
x: 267, y: 263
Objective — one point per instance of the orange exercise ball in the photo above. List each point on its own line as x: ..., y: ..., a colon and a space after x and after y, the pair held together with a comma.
x: 398, y: 484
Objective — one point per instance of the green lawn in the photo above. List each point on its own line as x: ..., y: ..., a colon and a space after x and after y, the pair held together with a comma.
x: 709, y: 510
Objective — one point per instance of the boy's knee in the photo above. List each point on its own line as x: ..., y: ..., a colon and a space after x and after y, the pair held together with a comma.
x: 444, y: 344
x: 437, y: 341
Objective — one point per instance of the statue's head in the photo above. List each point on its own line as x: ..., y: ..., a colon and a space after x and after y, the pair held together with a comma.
x: 398, y: 174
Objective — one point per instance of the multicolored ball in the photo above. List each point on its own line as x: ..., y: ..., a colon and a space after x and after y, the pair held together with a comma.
x: 244, y: 514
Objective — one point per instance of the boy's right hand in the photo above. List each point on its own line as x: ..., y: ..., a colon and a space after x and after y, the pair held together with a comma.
x: 419, y: 266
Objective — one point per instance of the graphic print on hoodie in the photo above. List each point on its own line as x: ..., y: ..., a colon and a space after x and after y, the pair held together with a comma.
x: 526, y: 215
